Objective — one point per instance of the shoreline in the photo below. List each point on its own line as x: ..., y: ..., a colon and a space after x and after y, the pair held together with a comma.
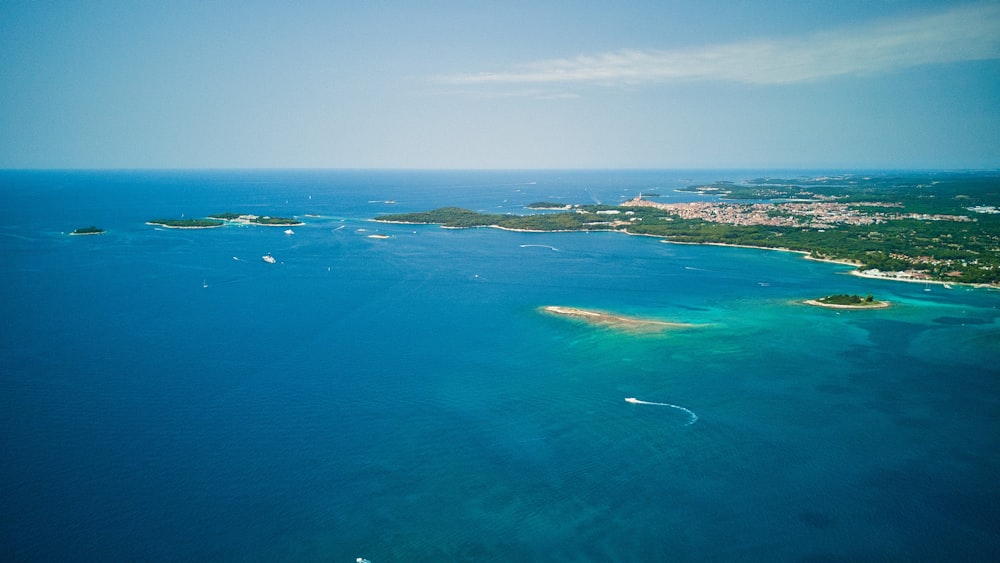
x: 806, y: 254
x: 894, y: 276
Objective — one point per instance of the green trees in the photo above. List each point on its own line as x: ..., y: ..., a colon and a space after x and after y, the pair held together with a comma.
x: 844, y: 299
x: 91, y: 230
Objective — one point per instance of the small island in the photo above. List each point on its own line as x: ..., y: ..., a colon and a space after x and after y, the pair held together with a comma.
x: 88, y: 231
x: 633, y: 324
x: 186, y: 223
x: 844, y: 301
x: 221, y: 219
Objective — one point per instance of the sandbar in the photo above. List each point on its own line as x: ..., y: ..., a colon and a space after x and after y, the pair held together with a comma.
x: 614, y: 321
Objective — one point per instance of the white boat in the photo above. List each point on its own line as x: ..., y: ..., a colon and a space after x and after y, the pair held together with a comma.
x: 269, y: 259
x: 289, y: 232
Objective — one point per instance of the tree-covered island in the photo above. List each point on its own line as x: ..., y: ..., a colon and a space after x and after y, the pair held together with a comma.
x: 186, y: 223
x: 918, y: 227
x: 845, y: 301
x: 221, y: 219
x: 88, y: 231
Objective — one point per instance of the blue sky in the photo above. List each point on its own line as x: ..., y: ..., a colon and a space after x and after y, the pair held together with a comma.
x: 438, y: 84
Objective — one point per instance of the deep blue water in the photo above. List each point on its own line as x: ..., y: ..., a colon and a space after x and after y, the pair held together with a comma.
x: 403, y: 399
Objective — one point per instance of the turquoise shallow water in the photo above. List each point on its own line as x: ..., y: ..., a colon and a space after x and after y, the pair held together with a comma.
x: 404, y: 399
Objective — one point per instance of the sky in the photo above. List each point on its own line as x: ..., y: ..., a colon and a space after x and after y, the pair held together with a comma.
x: 507, y: 84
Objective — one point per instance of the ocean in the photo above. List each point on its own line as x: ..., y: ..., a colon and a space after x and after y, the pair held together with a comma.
x: 166, y: 395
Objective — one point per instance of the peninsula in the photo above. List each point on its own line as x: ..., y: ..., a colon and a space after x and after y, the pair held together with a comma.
x: 915, y: 227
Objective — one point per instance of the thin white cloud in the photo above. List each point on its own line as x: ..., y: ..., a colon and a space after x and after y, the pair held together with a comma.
x: 537, y: 93
x: 966, y: 33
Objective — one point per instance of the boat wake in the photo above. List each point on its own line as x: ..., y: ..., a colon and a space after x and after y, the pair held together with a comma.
x: 540, y: 246
x: 693, y: 417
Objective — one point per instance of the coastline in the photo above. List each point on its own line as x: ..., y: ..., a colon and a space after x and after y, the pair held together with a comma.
x: 807, y: 255
x: 901, y: 277
x: 857, y: 271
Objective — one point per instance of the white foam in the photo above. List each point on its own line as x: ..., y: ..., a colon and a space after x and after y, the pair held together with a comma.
x: 694, y: 417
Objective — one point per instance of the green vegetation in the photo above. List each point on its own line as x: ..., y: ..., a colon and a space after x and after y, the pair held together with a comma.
x: 844, y: 299
x: 91, y: 230
x: 458, y: 218
x: 276, y: 221
x: 935, y: 231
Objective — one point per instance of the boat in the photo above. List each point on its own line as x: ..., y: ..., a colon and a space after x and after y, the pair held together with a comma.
x: 289, y: 232
x: 269, y: 259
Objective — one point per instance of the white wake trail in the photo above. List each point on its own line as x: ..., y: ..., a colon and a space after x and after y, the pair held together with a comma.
x: 694, y: 417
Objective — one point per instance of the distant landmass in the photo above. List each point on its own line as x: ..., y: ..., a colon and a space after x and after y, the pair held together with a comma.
x: 917, y: 227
